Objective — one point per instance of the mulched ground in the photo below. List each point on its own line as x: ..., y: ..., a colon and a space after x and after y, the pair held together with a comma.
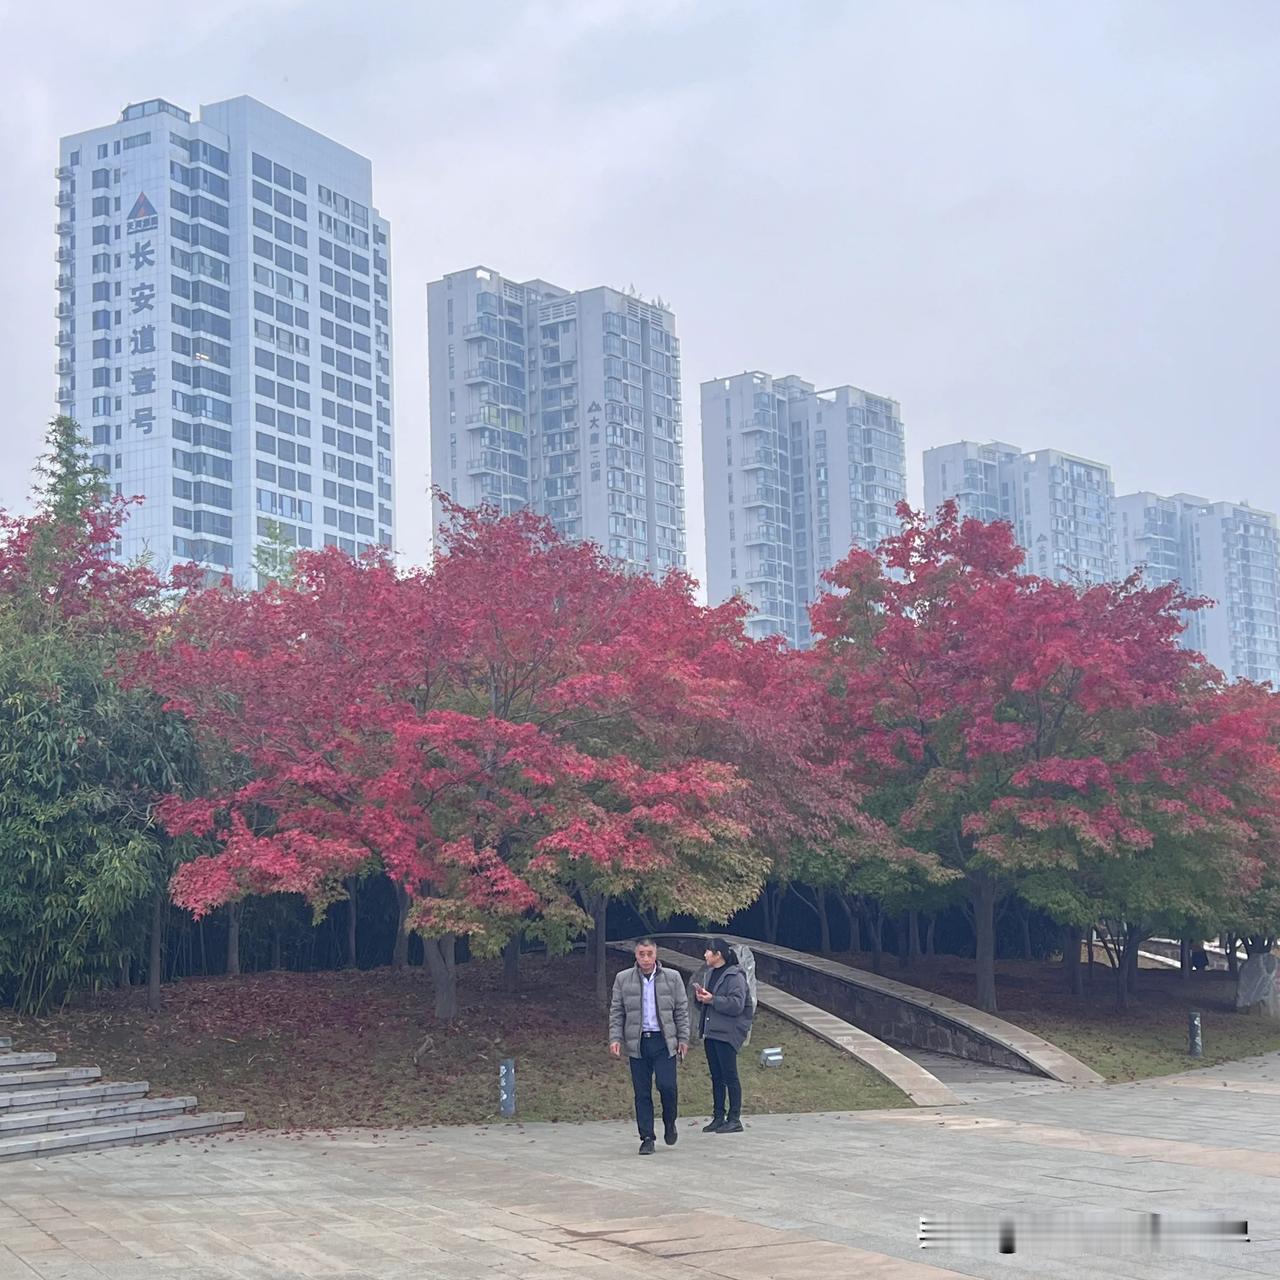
x: 322, y: 1050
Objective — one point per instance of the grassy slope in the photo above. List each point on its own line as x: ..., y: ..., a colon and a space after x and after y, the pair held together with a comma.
x: 1149, y: 1039
x: 322, y: 1050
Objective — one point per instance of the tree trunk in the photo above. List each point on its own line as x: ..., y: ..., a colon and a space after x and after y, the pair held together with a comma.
x: 601, y: 966
x: 1184, y: 959
x: 1233, y: 961
x: 1026, y: 935
x: 233, y: 938
x: 442, y: 966
x: 1133, y: 941
x: 277, y: 960
x: 350, y: 885
x: 155, y: 963
x: 400, y: 948
x: 1089, y: 934
x: 876, y: 926
x: 982, y: 897
x: 913, y: 935
x: 824, y: 921
x: 904, y: 941
x: 595, y: 904
x: 852, y: 917
x: 204, y: 955
x: 1071, y: 965
x: 928, y: 937
x: 124, y: 980
x: 511, y: 963
x: 772, y: 900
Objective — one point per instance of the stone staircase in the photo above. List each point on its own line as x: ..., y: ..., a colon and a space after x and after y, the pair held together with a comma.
x: 46, y: 1109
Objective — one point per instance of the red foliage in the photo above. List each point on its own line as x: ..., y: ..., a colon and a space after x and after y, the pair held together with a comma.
x: 1023, y: 723
x: 512, y: 723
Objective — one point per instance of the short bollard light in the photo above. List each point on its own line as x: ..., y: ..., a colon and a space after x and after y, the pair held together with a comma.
x: 771, y: 1057
x: 507, y: 1086
x: 1195, y: 1040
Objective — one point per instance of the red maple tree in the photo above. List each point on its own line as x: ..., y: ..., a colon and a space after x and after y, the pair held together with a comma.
x: 1012, y: 724
x: 496, y: 734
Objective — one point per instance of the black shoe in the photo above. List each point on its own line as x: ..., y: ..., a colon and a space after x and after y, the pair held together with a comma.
x: 731, y: 1125
x: 669, y: 1135
x: 646, y: 1147
x: 714, y: 1126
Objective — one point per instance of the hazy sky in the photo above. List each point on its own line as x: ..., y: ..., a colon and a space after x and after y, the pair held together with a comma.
x: 1046, y: 222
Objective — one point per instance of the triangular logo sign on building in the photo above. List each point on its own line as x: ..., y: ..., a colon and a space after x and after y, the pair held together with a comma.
x: 142, y: 217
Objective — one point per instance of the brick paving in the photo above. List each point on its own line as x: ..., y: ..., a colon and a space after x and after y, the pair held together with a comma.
x: 795, y: 1196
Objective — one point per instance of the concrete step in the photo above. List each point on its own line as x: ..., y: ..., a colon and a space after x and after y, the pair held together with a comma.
x: 40, y: 1120
x: 12, y: 1061
x: 43, y: 1078
x: 72, y: 1095
x: 115, y: 1134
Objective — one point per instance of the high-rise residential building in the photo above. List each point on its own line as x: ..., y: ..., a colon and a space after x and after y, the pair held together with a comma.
x: 1227, y: 552
x: 792, y: 478
x: 224, y: 331
x: 1060, y: 506
x: 567, y: 403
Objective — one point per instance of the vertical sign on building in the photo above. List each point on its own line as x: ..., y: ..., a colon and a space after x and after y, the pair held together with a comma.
x: 142, y: 304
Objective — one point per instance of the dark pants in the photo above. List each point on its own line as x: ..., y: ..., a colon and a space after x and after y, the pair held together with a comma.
x: 654, y: 1060
x: 722, y: 1059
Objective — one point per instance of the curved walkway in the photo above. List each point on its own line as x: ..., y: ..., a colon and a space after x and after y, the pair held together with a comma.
x: 907, y: 1015
x: 916, y: 1081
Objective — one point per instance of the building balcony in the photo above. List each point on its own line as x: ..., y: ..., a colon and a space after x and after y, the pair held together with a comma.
x: 63, y: 172
x: 65, y: 395
x: 64, y: 253
x: 65, y: 338
x: 65, y: 199
x: 64, y: 228
x: 486, y: 462
x: 65, y: 280
x: 64, y: 366
x: 63, y: 311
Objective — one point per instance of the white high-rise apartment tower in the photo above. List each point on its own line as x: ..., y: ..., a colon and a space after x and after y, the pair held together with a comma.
x: 565, y: 403
x: 792, y: 479
x: 224, y: 331
x: 1227, y: 552
x: 1060, y: 506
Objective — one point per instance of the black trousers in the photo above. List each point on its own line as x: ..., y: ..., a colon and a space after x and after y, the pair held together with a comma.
x: 654, y: 1062
x: 722, y: 1059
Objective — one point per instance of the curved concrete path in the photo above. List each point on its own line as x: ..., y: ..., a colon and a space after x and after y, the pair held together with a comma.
x: 1033, y: 1053
x: 915, y: 1080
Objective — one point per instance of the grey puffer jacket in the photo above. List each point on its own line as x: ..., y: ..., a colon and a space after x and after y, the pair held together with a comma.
x: 728, y: 1016
x: 626, y: 1009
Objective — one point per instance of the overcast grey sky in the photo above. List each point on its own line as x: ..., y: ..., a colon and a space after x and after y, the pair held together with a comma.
x: 1046, y: 222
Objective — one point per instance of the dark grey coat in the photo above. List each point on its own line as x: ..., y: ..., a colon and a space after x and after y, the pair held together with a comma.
x: 626, y: 1009
x: 729, y: 1014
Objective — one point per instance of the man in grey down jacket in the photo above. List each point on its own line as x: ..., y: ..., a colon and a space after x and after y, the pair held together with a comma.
x: 649, y: 1017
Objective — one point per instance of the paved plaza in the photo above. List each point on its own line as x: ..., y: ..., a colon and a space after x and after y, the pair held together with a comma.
x: 814, y: 1197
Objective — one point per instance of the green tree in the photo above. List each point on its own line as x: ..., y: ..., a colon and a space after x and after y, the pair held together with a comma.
x: 83, y: 869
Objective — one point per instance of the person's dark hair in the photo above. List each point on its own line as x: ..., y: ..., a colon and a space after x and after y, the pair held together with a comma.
x: 721, y: 947
x: 644, y: 942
